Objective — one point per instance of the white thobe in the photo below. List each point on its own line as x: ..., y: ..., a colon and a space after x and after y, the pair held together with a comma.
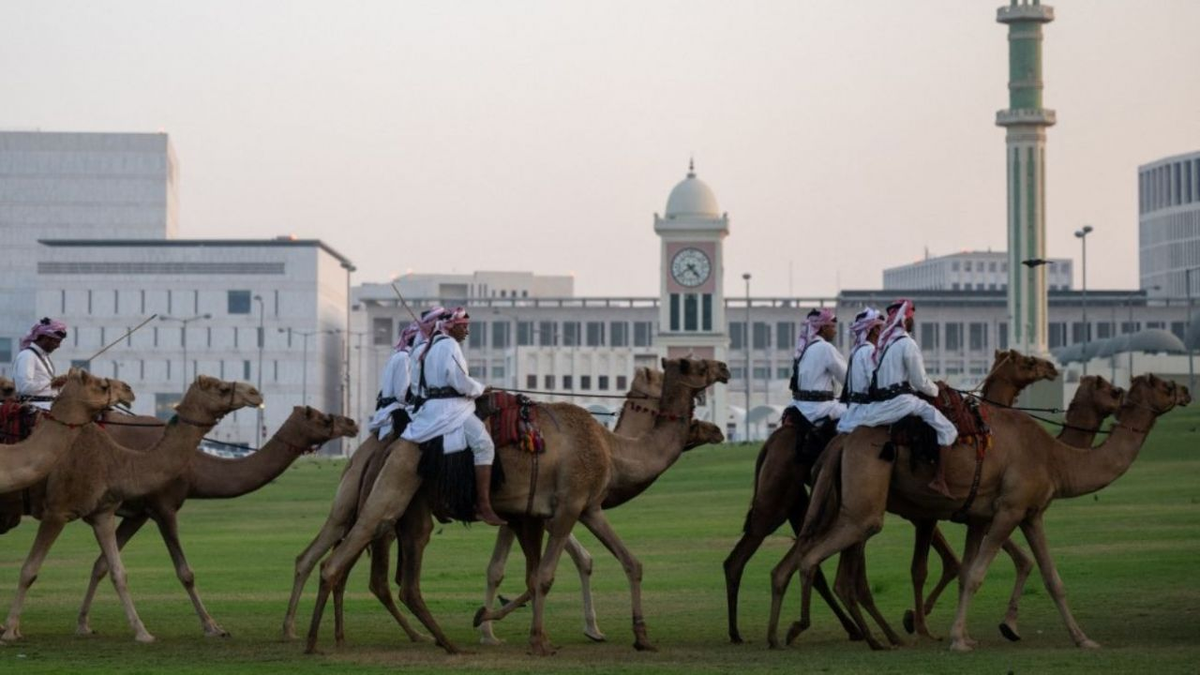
x: 903, y: 363
x: 821, y: 368
x: 32, y: 372
x: 393, y: 383
x: 414, y: 360
x: 862, y: 365
x: 452, y: 418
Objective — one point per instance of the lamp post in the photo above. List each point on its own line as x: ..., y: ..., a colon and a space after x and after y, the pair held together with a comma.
x: 746, y: 342
x: 262, y: 338
x: 1082, y: 234
x: 305, y: 334
x: 1129, y: 301
x: 183, y: 339
x: 346, y: 353
x: 1187, y: 329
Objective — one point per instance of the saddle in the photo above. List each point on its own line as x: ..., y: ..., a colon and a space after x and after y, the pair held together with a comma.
x: 965, y: 413
x: 511, y: 420
x: 17, y: 421
x: 811, y: 439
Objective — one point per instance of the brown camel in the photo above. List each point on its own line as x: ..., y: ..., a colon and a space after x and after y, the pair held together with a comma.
x: 8, y: 388
x: 779, y: 495
x: 360, y: 474
x: 1025, y: 470
x: 569, y: 486
x: 209, y: 477
x: 81, y: 397
x: 103, y: 474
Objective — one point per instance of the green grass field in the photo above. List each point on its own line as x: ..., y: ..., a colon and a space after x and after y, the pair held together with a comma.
x: 1128, y: 556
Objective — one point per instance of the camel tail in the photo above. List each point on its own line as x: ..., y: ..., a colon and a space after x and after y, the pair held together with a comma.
x: 826, y: 495
x: 758, y: 462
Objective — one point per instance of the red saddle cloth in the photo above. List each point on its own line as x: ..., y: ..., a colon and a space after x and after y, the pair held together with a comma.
x: 512, y: 420
x: 16, y: 421
x: 965, y: 414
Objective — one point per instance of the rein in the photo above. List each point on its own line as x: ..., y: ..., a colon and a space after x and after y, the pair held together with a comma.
x: 571, y: 394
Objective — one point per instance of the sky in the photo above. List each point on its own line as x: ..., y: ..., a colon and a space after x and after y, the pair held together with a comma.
x: 841, y: 137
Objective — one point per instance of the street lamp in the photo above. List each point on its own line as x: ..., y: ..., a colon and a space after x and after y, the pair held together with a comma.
x: 183, y: 339
x: 1187, y: 329
x: 346, y: 352
x: 262, y: 338
x: 1082, y: 234
x: 746, y: 344
x: 304, y: 378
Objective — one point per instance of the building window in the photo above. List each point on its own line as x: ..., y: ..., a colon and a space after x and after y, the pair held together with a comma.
x: 89, y: 296
x: 6, y: 349
x: 954, y: 337
x: 500, y: 334
x: 595, y: 334
x: 782, y: 373
x: 691, y: 311
x: 706, y: 321
x: 238, y: 302
x: 531, y: 381
x: 547, y: 334
x: 1077, y: 332
x: 381, y: 331
x: 567, y: 383
x: 497, y: 373
x: 929, y: 337
x: 571, y: 330
x: 1058, y: 334
x: 524, y: 333
x: 245, y: 370
x: 585, y: 382
x: 762, y: 373
x: 1003, y: 330
x: 954, y: 286
x: 785, y: 335
x: 478, y: 337
x: 622, y: 383
x: 761, y: 335
x: 1104, y: 330
x: 978, y: 337
x: 737, y: 373
x: 674, y: 312
x: 549, y: 381
x: 737, y: 334
x: 618, y: 334
x: 643, y: 333
x: 954, y: 265
x: 602, y: 382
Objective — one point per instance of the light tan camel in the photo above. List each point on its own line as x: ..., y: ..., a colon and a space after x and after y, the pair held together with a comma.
x: 103, y: 474
x: 360, y: 474
x: 81, y: 397
x: 569, y: 485
x: 779, y: 496
x: 209, y: 477
x: 1025, y: 470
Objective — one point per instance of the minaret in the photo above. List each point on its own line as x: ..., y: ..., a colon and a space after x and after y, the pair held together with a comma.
x: 1026, y: 121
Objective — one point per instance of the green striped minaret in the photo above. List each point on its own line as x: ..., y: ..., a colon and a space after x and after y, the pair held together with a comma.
x: 1025, y: 121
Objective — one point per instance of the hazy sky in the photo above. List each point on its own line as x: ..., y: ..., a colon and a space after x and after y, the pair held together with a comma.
x: 841, y: 137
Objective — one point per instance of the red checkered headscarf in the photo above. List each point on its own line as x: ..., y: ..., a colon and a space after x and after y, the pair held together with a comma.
x: 897, y: 312
x: 429, y: 319
x: 407, y: 336
x: 455, y: 317
x: 813, y: 323
x: 46, y: 326
x: 865, y: 322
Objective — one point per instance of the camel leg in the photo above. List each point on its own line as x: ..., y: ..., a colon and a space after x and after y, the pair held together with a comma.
x: 125, y: 531
x: 559, y: 528
x: 1024, y: 566
x: 598, y: 524
x: 973, y: 575
x: 380, y: 563
x: 168, y: 526
x: 846, y: 585
x: 331, y: 532
x: 339, y: 602
x: 48, y: 531
x: 529, y: 533
x: 583, y: 563
x: 495, y: 575
x: 951, y: 567
x: 415, y: 528
x: 1035, y: 534
x: 756, y: 531
x: 928, y: 534
x: 867, y: 599
x: 104, y: 526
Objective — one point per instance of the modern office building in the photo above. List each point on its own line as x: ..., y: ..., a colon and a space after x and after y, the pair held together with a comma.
x: 1169, y: 225
x: 967, y: 271
x: 71, y: 186
x: 269, y: 312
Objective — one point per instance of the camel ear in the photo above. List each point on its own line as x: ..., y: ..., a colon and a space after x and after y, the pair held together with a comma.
x: 664, y: 363
x: 996, y: 355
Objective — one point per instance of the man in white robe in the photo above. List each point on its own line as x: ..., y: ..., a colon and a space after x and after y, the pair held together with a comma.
x: 447, y: 408
x: 32, y: 369
x: 819, y: 369
x: 393, y: 388
x: 856, y: 394
x: 425, y: 328
x: 899, y: 376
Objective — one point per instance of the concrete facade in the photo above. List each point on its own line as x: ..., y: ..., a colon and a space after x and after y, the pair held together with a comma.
x: 1169, y: 225
x: 966, y: 271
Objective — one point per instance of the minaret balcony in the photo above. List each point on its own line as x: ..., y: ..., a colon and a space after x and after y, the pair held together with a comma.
x: 1038, y: 116
x: 1025, y: 12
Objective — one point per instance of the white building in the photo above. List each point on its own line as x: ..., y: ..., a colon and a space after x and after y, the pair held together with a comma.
x: 1169, y: 225
x: 469, y: 286
x: 69, y: 186
x: 218, y: 301
x: 968, y: 271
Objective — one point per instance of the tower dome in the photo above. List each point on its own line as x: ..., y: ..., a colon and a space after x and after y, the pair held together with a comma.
x: 692, y: 197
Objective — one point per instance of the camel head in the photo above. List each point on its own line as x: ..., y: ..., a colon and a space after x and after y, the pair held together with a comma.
x: 94, y: 394
x: 1155, y: 394
x: 647, y: 382
x: 217, y: 398
x: 697, y: 374
x: 309, y: 427
x: 8, y: 388
x: 703, y: 433
x: 1098, y: 394
x: 1021, y: 369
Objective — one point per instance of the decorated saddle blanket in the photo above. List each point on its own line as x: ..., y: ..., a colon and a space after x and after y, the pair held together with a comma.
x: 17, y: 421
x: 512, y: 419
x: 811, y: 439
x: 965, y: 413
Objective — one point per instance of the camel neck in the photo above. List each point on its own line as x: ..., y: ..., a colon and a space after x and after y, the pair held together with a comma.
x: 1083, y: 471
x: 212, y: 477
x: 1000, y: 391
x: 148, y: 471
x: 1083, y: 422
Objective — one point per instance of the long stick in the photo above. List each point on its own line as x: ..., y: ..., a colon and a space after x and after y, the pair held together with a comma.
x: 131, y: 331
x: 405, y: 304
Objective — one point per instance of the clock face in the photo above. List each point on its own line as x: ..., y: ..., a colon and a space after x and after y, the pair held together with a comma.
x: 690, y: 267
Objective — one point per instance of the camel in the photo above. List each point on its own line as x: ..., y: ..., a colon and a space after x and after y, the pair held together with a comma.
x: 569, y: 486
x: 81, y: 397
x: 779, y: 496
x: 209, y: 477
x: 8, y: 388
x: 1025, y: 470
x: 360, y: 473
x: 103, y: 474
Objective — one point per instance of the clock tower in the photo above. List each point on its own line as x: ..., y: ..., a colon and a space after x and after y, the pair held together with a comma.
x: 691, y: 315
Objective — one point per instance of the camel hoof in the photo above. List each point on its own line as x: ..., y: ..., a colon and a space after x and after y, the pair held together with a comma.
x: 451, y: 648
x: 644, y: 646
x: 145, y: 638
x: 909, y: 621
x: 736, y: 639
x: 11, y: 635
x: 480, y: 617
x: 490, y: 641
x: 216, y: 631
x: 541, y: 648
x: 421, y: 637
x: 1009, y: 633
x: 84, y: 630
x: 794, y: 632
x: 595, y: 635
x: 961, y: 646
x: 878, y: 646
x: 773, y: 643
x: 1089, y: 644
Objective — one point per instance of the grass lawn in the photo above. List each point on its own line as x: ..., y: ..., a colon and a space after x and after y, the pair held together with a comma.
x: 1127, y: 554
